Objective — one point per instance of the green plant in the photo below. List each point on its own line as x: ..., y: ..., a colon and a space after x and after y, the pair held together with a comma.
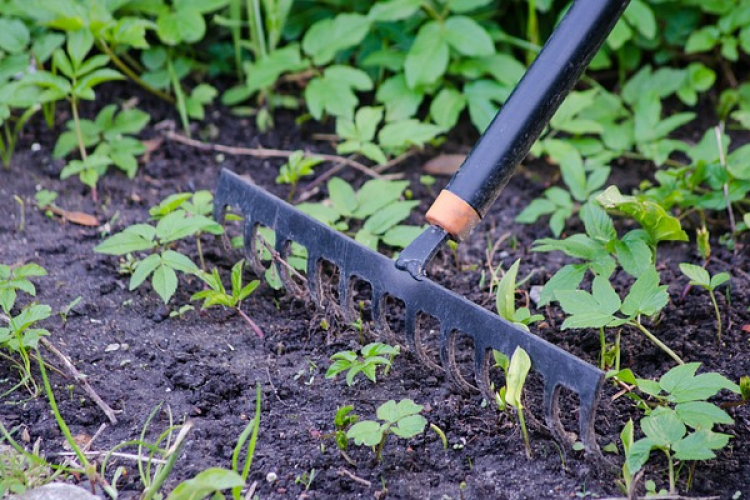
x: 700, y: 277
x: 80, y: 74
x: 299, y: 165
x: 22, y: 336
x: 516, y: 369
x: 23, y: 471
x: 110, y: 136
x: 306, y: 479
x: 372, y: 356
x: 377, y: 205
x: 342, y: 421
x: 217, y: 295
x: 402, y: 419
x: 505, y: 300
x: 681, y: 424
x: 163, y: 263
x: 599, y: 308
x: 13, y: 279
x: 213, y: 480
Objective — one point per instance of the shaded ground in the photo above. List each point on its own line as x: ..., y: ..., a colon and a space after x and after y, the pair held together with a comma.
x: 204, y: 366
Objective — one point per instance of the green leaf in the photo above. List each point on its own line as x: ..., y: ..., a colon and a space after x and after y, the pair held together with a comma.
x: 178, y: 262
x: 164, y: 281
x: 699, y: 445
x: 642, y: 18
x: 343, y: 198
x: 402, y: 134
x: 700, y: 414
x: 719, y: 279
x: 652, y: 217
x: 143, y: 270
x: 390, y: 411
x: 367, y: 432
x: 79, y: 45
x: 639, y: 454
x: 389, y: 216
x: 326, y: 38
x: 634, y: 255
x: 334, y: 92
x: 697, y: 274
x: 14, y: 35
x: 205, y: 483
x: 663, y: 427
x: 483, y: 98
x: 505, y: 295
x: 446, y: 107
x: 400, y: 100
x: 599, y: 225
x: 519, y: 367
x: 427, y: 59
x: 467, y: 37
x: 30, y: 315
x: 646, y: 296
x: 568, y: 278
x: 133, y: 239
x: 410, y: 426
x: 702, y: 40
x: 393, y: 10
x: 401, y: 236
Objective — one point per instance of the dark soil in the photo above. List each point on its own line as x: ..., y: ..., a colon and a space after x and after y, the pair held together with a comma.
x: 204, y: 367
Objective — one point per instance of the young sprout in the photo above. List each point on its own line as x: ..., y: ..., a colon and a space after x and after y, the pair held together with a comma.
x: 700, y: 277
x: 520, y: 363
x: 217, y: 295
x: 372, y: 355
x: 402, y: 419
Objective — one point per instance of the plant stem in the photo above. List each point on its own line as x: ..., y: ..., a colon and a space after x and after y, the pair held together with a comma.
x: 79, y: 133
x: 718, y: 314
x: 603, y: 342
x: 671, y: 472
x: 656, y: 341
x: 200, y: 250
x: 177, y: 88
x: 617, y: 351
x: 132, y: 74
x: 524, y: 431
x: 250, y: 321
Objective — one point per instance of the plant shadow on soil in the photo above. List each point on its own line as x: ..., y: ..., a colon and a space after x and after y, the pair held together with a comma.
x: 205, y: 366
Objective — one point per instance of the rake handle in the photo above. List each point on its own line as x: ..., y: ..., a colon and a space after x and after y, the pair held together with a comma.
x: 508, y: 139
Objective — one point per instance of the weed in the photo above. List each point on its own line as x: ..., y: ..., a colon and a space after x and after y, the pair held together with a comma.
x: 372, y: 356
x: 13, y: 279
x: 402, y: 419
x: 516, y: 369
x: 505, y: 300
x: 700, y: 277
x: 299, y: 165
x: 306, y: 479
x: 680, y: 425
x: 218, y: 296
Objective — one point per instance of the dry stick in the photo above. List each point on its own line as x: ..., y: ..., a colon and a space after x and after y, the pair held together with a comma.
x: 353, y: 477
x: 81, y: 379
x: 269, y: 153
x: 117, y: 454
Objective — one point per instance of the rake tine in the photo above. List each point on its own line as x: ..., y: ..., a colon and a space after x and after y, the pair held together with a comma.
x: 345, y: 296
x: 410, y: 325
x: 419, y: 348
x: 252, y: 252
x: 314, y: 284
x: 448, y: 356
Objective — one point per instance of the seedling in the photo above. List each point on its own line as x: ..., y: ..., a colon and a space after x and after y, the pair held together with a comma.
x: 681, y: 423
x: 599, y: 309
x: 14, y: 279
x: 163, y: 263
x: 518, y: 369
x: 372, y: 356
x: 342, y: 421
x: 21, y: 336
x: 505, y: 300
x: 218, y: 296
x: 65, y: 311
x: 306, y: 479
x: 700, y: 277
x: 298, y: 166
x: 402, y: 419
x: 181, y: 311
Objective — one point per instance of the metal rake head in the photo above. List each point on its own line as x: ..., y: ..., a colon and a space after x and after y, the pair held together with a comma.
x: 456, y: 315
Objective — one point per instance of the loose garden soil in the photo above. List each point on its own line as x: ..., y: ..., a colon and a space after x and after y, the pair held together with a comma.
x: 204, y: 367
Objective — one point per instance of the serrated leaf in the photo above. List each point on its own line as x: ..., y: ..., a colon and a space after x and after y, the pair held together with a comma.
x: 569, y: 277
x: 367, y: 432
x: 427, y: 59
x: 646, y: 296
x: 409, y: 426
x: 178, y: 262
x: 135, y: 238
x: 143, y: 270
x: 697, y: 274
x: 468, y: 37
x: 598, y: 224
x: 390, y: 215
x: 206, y: 482
x: 377, y: 194
x: 663, y: 427
x: 699, y: 445
x: 634, y: 256
x: 400, y: 100
x: 639, y: 454
x: 700, y: 414
x: 164, y: 281
x: 446, y: 107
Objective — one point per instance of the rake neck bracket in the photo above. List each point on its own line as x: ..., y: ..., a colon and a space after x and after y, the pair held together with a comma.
x: 421, y: 251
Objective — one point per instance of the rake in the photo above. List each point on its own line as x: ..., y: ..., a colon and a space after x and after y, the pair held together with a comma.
x: 454, y: 214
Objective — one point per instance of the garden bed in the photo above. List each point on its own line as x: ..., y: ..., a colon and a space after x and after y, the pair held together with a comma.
x: 204, y: 367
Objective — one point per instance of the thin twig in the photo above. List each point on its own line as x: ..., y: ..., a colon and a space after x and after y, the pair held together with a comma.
x: 269, y: 153
x: 353, y: 477
x: 81, y: 379
x: 395, y: 161
x: 251, y: 322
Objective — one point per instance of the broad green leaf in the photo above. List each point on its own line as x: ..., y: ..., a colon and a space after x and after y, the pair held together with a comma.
x: 663, y: 427
x: 652, y: 217
x: 14, y: 35
x: 646, y: 296
x: 343, y: 198
x: 634, y: 255
x: 394, y: 10
x: 697, y: 274
x: 400, y: 100
x: 483, y: 98
x: 520, y: 363
x: 327, y: 37
x: 334, y: 92
x: 642, y: 18
x: 367, y: 432
x: 79, y: 45
x: 427, y: 59
x: 383, y: 220
x: 578, y: 245
x: 700, y: 387
x: 402, y: 134
x: 568, y: 278
x: 205, y: 483
x: 446, y: 107
x: 401, y: 236
x: 702, y: 40
x: 468, y: 5
x: 468, y: 37
x: 599, y: 225
x: 265, y: 72
x: 168, y: 205
x: 133, y: 239
x: 639, y: 454
x: 30, y: 315
x: 700, y: 414
x: 143, y: 270
x: 410, y: 426
x: 376, y: 194
x: 719, y: 279
x: 571, y: 166
x: 699, y: 445
x: 164, y: 281
x: 178, y: 262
